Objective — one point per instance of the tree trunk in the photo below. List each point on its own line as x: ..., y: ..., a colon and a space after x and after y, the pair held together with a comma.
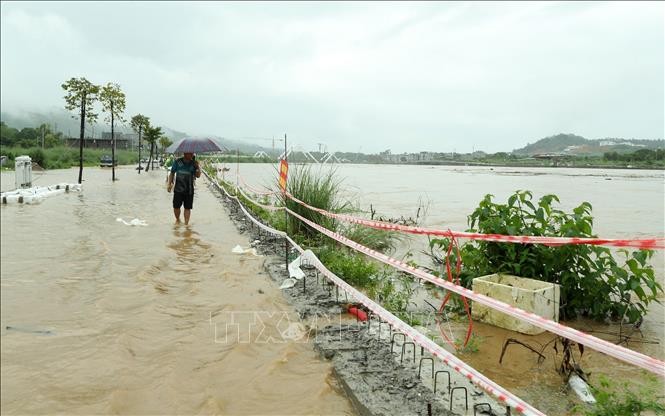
x: 149, y: 159
x: 112, y: 146
x: 82, y: 133
x: 140, y: 128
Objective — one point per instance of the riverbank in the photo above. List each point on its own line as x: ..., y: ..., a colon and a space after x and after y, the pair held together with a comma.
x: 381, y: 372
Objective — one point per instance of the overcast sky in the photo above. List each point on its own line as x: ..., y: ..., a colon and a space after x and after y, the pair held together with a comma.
x: 369, y: 76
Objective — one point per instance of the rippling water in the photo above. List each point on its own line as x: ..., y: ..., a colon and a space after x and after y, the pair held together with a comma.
x: 100, y: 317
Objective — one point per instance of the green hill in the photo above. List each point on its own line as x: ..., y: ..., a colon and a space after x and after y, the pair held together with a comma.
x: 578, y: 145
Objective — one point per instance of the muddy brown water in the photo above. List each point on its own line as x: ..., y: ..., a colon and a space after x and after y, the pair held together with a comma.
x: 108, y: 318
x: 626, y: 203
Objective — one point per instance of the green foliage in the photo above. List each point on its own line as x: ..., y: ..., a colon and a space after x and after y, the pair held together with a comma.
x: 611, y: 403
x: 29, y: 137
x: 66, y: 157
x: 379, y: 240
x: 642, y: 155
x: 81, y: 95
x: 165, y: 142
x: 317, y: 187
x: 592, y: 282
x: 113, y: 102
x: 37, y: 156
x: 353, y: 267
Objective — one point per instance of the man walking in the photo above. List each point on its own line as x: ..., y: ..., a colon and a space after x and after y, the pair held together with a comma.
x: 184, y: 169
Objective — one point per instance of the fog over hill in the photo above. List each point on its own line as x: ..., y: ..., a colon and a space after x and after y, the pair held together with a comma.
x: 62, y: 121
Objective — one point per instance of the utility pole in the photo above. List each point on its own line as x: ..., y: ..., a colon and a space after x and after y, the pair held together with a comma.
x: 286, y: 214
x: 43, y: 128
x: 237, y: 167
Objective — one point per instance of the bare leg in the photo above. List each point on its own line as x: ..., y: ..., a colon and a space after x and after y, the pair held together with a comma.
x: 176, y: 212
x: 187, y: 214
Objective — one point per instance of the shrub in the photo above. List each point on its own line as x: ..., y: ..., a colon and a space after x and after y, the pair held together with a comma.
x: 37, y: 156
x: 353, y: 267
x: 592, y: 283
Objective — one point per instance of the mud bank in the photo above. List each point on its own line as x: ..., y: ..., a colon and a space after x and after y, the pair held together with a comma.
x: 379, y: 370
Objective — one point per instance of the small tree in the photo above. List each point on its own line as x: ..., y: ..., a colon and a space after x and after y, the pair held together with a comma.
x: 139, y: 124
x: 113, y: 102
x: 81, y: 96
x: 165, y: 142
x: 152, y: 134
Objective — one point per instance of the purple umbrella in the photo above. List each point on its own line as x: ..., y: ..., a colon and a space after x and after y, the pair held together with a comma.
x: 194, y: 145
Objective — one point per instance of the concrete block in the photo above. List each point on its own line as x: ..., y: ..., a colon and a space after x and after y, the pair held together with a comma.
x: 531, y: 295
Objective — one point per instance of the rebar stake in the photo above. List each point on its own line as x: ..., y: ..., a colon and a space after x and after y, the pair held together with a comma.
x: 404, y: 344
x: 466, y: 396
x: 420, y: 365
x: 436, y: 379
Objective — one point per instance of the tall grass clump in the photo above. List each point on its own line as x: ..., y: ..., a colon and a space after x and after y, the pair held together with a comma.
x: 315, y: 186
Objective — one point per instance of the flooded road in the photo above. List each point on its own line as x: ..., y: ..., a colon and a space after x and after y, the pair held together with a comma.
x: 102, y: 318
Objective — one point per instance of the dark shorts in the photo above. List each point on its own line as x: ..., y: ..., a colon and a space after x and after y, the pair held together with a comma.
x: 180, y: 198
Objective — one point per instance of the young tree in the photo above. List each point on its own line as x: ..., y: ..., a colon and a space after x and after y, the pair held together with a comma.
x: 152, y: 134
x: 139, y: 124
x: 113, y: 103
x: 81, y: 96
x: 165, y: 142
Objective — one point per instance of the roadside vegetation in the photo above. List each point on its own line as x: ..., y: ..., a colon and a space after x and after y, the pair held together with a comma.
x: 593, y: 282
x: 63, y: 157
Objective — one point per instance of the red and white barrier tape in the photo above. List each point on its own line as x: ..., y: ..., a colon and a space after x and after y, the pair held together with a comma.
x: 256, y: 191
x: 449, y: 359
x: 268, y: 207
x: 616, y: 351
x: 650, y: 243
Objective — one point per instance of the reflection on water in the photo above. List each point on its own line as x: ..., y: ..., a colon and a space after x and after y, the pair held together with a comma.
x: 108, y: 318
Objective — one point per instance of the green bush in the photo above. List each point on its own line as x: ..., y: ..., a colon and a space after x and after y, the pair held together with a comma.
x: 37, y: 156
x: 592, y: 282
x: 353, y: 267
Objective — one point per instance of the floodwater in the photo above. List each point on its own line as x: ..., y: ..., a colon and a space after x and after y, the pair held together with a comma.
x: 626, y: 203
x: 98, y: 317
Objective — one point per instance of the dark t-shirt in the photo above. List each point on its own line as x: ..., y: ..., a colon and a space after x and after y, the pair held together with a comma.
x: 184, y: 176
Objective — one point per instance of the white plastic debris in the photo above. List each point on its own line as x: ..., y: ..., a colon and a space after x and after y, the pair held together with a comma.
x: 133, y: 222
x: 294, y: 269
x: 238, y: 249
x: 580, y: 387
x: 287, y: 283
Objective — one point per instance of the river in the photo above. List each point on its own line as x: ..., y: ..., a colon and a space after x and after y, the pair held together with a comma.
x: 103, y: 318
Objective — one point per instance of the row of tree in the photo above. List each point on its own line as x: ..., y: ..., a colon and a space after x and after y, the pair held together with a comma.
x: 42, y: 136
x: 81, y: 97
x: 642, y: 155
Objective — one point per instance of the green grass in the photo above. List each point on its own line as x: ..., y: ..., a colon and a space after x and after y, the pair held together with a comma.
x: 316, y: 186
x: 66, y: 157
